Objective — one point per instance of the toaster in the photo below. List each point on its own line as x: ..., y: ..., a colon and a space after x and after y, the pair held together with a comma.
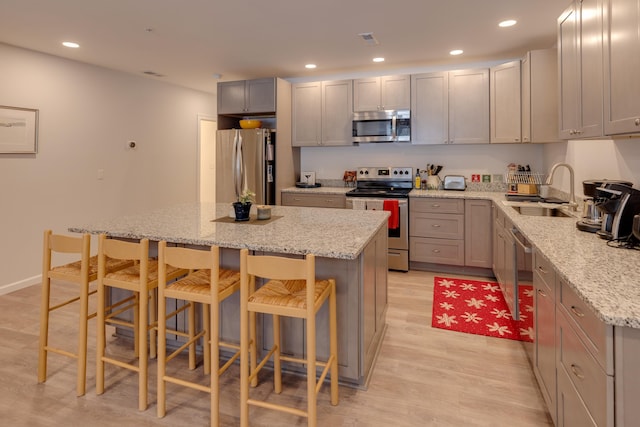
x: 454, y: 182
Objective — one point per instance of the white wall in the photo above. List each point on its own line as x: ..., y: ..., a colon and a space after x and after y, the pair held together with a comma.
x: 595, y: 159
x: 331, y: 162
x: 87, y: 114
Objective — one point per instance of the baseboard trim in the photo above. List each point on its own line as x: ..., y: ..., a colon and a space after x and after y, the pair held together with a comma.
x: 15, y: 286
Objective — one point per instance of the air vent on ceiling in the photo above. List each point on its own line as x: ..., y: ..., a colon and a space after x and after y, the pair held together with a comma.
x: 153, y: 73
x: 369, y: 39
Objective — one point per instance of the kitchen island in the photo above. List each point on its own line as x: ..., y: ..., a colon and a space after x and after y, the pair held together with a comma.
x: 349, y: 246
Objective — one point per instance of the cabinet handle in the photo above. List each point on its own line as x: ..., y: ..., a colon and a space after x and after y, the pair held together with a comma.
x: 436, y: 251
x: 637, y: 122
x: 542, y: 293
x: 577, y: 371
x: 542, y: 270
x: 435, y: 225
x: 435, y: 205
x: 577, y: 312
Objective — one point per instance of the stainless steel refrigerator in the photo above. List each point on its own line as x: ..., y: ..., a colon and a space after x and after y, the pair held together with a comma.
x: 245, y: 159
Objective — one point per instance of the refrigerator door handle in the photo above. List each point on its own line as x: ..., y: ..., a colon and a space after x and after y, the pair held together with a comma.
x: 236, y: 166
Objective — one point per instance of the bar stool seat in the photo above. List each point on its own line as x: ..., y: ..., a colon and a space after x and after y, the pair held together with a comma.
x: 208, y: 285
x: 292, y: 290
x: 81, y: 273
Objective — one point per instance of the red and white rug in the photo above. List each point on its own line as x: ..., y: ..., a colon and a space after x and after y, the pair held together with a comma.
x: 478, y: 307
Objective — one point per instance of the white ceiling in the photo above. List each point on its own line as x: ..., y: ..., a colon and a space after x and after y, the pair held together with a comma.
x: 191, y: 40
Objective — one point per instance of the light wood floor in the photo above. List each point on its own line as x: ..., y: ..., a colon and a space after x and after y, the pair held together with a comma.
x: 423, y: 377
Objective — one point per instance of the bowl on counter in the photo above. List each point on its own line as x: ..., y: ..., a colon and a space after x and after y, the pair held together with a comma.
x: 250, y: 124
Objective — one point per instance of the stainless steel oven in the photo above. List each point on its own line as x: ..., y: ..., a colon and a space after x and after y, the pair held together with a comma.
x: 374, y: 185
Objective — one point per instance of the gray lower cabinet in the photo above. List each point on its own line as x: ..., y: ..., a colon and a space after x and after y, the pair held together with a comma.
x: 544, y: 318
x: 451, y: 231
x: 314, y: 200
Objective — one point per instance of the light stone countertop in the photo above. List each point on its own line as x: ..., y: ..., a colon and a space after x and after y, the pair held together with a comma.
x: 330, y: 233
x: 606, y: 278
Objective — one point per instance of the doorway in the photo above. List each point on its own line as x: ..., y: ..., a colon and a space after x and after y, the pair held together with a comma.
x: 207, y: 127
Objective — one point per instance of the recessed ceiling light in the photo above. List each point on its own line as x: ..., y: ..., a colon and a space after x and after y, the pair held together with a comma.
x: 379, y: 59
x: 310, y: 66
x: 456, y: 52
x: 508, y: 23
x: 71, y: 45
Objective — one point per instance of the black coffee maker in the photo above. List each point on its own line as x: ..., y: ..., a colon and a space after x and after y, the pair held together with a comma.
x: 591, y: 220
x: 619, y: 203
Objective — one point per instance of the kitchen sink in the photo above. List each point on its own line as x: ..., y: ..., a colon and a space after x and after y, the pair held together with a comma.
x: 541, y: 211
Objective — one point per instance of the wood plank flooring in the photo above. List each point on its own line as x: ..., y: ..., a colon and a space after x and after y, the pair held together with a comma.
x: 423, y: 377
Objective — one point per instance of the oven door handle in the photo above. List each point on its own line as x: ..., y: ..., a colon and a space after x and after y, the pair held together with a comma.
x: 514, y: 232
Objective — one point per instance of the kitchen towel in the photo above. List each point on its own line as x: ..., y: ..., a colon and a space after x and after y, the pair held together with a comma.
x: 359, y: 204
x: 392, y: 206
x: 375, y: 205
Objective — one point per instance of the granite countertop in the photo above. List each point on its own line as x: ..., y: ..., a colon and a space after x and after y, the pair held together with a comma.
x: 606, y: 278
x: 330, y: 233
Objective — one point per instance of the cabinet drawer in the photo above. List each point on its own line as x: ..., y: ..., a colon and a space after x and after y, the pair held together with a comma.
x: 593, y: 385
x: 571, y: 409
x: 498, y: 216
x: 598, y: 336
x: 439, y: 226
x: 545, y: 270
x: 434, y: 205
x: 314, y: 200
x: 437, y: 251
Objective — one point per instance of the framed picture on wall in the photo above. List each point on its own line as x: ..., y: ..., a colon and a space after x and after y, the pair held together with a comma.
x: 18, y: 130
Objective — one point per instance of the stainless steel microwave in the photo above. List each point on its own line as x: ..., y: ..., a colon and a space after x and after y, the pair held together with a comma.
x: 382, y: 126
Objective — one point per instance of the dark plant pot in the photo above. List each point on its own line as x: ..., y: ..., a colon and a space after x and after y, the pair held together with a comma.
x: 242, y: 210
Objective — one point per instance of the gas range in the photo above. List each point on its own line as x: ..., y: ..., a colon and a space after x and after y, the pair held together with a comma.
x: 383, y: 182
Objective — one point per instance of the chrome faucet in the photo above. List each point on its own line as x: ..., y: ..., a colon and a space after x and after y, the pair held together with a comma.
x: 573, y: 205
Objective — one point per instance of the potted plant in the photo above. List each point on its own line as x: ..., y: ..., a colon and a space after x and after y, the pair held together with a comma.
x: 242, y: 206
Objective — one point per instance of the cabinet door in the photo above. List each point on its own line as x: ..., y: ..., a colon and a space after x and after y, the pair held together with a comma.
x: 505, y: 103
x: 591, y: 80
x: 580, y: 69
x: 366, y: 94
x: 337, y: 107
x: 260, y: 96
x: 307, y: 112
x: 430, y: 108
x: 544, y: 361
x: 478, y: 232
x: 469, y: 106
x: 231, y: 97
x: 540, y: 96
x: 622, y: 62
x: 395, y: 92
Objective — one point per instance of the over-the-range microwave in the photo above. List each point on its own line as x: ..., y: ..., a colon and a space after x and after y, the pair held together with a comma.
x: 382, y: 126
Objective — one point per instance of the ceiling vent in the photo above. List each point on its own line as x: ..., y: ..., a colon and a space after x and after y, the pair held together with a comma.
x: 369, y: 39
x: 153, y: 73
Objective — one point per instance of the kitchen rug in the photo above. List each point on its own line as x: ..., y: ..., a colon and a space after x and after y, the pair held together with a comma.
x: 478, y: 307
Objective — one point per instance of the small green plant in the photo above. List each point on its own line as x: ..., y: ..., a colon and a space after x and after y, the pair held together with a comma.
x: 246, y: 196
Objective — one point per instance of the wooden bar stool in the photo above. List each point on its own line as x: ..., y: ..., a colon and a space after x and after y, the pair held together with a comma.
x: 208, y: 285
x: 291, y: 290
x: 81, y: 273
x: 141, y: 278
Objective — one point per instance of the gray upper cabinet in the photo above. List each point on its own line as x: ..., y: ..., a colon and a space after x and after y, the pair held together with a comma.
x: 322, y: 113
x: 247, y: 96
x: 621, y: 65
x: 382, y: 93
x: 540, y: 96
x: 450, y: 107
x: 580, y: 70
x: 430, y: 108
x: 505, y: 103
x: 469, y: 106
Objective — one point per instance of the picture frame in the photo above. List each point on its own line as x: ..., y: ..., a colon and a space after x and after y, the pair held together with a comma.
x: 18, y: 130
